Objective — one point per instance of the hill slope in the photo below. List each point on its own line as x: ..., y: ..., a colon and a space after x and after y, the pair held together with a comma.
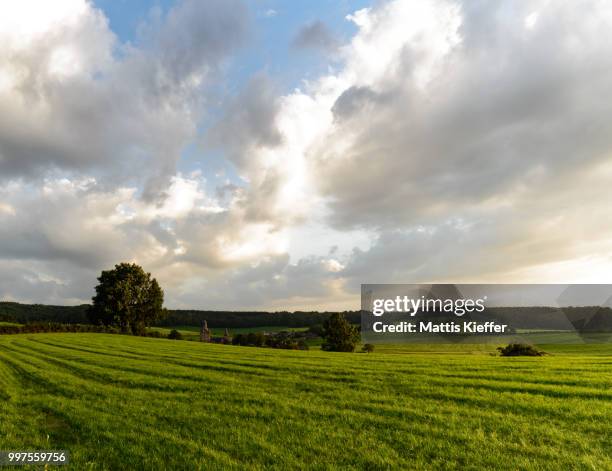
x: 119, y: 402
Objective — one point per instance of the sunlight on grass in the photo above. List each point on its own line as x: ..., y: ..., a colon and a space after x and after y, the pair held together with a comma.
x: 117, y: 402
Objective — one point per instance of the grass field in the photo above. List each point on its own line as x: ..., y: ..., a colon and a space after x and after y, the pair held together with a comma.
x: 118, y: 402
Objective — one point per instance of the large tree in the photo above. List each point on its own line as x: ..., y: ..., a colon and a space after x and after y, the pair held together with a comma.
x: 339, y: 334
x: 127, y: 297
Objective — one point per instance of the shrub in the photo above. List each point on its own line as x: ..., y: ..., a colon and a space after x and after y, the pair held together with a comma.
x: 367, y: 348
x: 175, y: 335
x: 520, y: 349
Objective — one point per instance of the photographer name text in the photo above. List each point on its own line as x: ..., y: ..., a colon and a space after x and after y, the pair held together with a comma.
x: 424, y: 327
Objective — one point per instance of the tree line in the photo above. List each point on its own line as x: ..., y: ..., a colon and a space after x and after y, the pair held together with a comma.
x: 24, y: 313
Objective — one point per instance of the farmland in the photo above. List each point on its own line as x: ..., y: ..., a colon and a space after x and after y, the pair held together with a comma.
x: 119, y: 402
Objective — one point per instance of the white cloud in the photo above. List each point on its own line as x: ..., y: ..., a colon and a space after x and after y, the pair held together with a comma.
x: 30, y: 19
x: 531, y: 20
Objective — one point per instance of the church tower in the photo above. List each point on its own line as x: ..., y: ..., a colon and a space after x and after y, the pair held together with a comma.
x: 204, y: 332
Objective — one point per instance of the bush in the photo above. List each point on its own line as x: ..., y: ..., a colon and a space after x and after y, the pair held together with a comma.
x: 367, y: 348
x: 520, y: 350
x: 175, y: 335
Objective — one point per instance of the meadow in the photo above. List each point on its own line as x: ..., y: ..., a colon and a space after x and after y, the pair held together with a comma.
x: 120, y: 402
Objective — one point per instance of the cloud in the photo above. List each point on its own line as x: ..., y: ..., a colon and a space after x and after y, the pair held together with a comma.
x: 249, y: 121
x: 315, y: 35
x: 91, y: 134
x: 465, y: 137
x: 467, y: 106
x: 196, y: 36
x: 73, y: 99
x: 33, y: 281
x: 84, y: 227
x: 272, y: 283
x: 70, y: 221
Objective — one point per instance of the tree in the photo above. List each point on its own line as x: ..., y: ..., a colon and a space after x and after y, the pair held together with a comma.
x: 339, y: 335
x: 127, y: 297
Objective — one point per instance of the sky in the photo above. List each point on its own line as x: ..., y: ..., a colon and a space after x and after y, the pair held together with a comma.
x: 276, y: 155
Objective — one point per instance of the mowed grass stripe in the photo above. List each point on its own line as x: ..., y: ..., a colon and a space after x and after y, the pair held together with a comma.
x: 156, y: 403
x: 141, y: 373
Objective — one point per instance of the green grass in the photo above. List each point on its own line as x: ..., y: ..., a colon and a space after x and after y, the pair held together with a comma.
x: 9, y: 324
x: 118, y: 402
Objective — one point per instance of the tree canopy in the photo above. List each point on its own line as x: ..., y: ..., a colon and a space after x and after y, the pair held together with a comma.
x: 127, y: 297
x: 339, y: 335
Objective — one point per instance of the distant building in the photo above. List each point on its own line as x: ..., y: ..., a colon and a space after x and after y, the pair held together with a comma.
x: 204, y: 332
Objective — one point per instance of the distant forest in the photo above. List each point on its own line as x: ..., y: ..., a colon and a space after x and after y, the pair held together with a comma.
x: 24, y: 313
x: 588, y: 318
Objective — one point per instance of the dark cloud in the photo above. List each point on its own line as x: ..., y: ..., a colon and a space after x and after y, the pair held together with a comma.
x: 196, y: 36
x: 315, y: 35
x: 356, y: 100
x: 42, y: 282
x: 249, y: 121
